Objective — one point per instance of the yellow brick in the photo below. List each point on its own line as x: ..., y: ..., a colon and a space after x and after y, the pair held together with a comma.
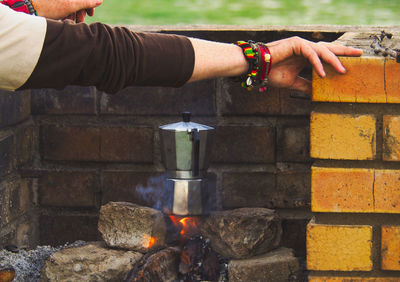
x: 342, y: 136
x: 391, y: 138
x: 387, y: 191
x: 363, y: 82
x: 342, y: 190
x: 391, y: 248
x: 339, y: 247
x: 392, y: 79
x: 314, y: 278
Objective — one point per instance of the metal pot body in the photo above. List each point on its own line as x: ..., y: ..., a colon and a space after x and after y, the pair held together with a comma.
x: 186, y: 149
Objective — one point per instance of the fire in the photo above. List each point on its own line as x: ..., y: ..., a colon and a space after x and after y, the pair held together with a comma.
x: 152, y: 241
x: 187, y: 225
x: 148, y: 241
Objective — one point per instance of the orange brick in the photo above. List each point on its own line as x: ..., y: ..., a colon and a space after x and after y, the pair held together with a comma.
x: 342, y: 190
x: 391, y: 138
x: 342, y: 136
x: 387, y: 191
x: 391, y: 248
x: 363, y: 82
x: 339, y: 247
x: 314, y: 278
x: 392, y: 79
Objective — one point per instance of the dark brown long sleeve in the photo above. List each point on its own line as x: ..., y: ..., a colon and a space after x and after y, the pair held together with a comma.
x: 110, y: 58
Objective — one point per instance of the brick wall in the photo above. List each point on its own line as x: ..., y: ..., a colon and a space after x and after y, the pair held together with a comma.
x: 355, y: 182
x: 17, y: 148
x: 96, y: 148
x: 89, y: 148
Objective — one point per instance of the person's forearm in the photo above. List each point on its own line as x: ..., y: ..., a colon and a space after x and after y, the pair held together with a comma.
x: 213, y: 59
x: 110, y: 58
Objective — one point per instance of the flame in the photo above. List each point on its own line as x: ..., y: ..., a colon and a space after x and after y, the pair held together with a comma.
x: 148, y: 241
x: 187, y: 225
x: 152, y: 241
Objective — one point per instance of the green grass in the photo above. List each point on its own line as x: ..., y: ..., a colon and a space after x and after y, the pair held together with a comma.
x: 249, y: 12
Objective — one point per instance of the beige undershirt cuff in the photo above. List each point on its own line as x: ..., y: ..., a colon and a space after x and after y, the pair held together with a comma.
x: 21, y: 42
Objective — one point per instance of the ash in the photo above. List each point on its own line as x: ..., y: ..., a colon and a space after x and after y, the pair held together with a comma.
x: 28, y: 264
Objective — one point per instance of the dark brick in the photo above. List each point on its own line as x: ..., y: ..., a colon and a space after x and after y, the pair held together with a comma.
x: 20, y: 197
x: 292, y: 106
x: 247, y: 189
x: 134, y: 144
x: 26, y: 235
x: 4, y: 206
x: 71, y: 143
x: 292, y: 191
x: 24, y: 139
x: 244, y: 144
x: 14, y: 107
x: 60, y: 229
x: 142, y: 188
x: 238, y: 101
x: 69, y: 189
x: 293, y: 142
x: 294, y: 235
x: 198, y: 98
x: 22, y: 105
x: 6, y: 155
x: 71, y: 100
x: 7, y: 238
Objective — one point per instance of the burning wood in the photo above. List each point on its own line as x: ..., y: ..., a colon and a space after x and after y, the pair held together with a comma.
x: 7, y: 275
x: 199, y: 262
x: 156, y: 266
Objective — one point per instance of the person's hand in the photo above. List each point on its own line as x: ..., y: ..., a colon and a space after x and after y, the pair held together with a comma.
x: 79, y: 16
x: 72, y: 9
x: 290, y: 56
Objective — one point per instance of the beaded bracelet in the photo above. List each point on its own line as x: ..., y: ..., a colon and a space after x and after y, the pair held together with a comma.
x: 259, y: 58
x: 24, y: 6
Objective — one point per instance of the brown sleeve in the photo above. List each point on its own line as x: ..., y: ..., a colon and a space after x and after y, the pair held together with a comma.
x: 110, y: 58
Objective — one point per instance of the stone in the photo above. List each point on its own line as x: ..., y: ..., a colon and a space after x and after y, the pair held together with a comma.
x: 160, y: 266
x: 242, y: 233
x: 278, y: 265
x: 91, y: 262
x: 129, y: 226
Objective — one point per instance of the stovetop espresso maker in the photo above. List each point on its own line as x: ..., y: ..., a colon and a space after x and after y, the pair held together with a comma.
x: 185, y: 150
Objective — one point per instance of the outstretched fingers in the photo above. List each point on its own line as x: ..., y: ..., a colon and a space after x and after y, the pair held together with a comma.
x: 306, y: 50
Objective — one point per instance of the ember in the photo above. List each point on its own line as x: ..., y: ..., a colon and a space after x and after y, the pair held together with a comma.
x: 7, y: 275
x: 199, y: 262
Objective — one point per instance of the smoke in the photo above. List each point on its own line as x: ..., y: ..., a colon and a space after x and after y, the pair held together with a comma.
x: 152, y: 194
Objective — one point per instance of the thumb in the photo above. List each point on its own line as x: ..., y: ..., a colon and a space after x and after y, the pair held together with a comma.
x: 302, y: 84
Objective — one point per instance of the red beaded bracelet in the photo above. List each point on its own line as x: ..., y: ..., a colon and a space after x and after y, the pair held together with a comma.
x: 24, y: 6
x: 259, y: 58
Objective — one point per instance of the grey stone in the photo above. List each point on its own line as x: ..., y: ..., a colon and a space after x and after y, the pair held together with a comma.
x: 242, y: 233
x: 277, y: 266
x: 92, y: 262
x: 129, y: 226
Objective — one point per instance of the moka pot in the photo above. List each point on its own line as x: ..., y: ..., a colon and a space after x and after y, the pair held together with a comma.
x: 185, y: 150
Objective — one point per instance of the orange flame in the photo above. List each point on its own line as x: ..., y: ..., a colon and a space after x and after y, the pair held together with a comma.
x: 148, y: 241
x: 152, y: 241
x: 187, y: 225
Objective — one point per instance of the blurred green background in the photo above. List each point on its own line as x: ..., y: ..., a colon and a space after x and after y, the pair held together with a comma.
x: 249, y: 12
